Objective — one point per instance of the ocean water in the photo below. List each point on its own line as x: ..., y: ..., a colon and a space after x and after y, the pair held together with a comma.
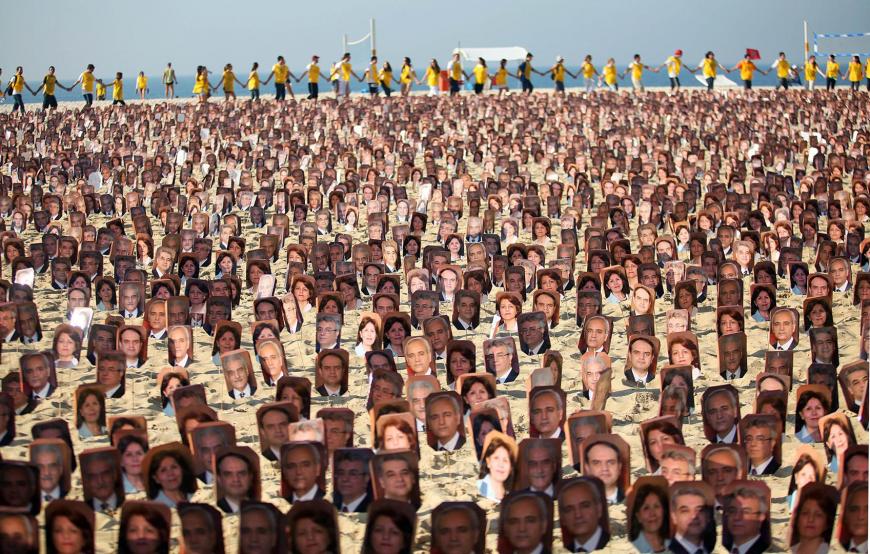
x: 184, y: 87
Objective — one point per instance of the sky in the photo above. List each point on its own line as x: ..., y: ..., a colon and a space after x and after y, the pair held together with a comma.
x: 132, y: 36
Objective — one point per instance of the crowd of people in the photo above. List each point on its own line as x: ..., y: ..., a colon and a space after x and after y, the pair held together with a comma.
x: 381, y: 77
x: 526, y: 323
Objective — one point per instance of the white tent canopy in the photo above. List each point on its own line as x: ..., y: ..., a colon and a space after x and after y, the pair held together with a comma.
x: 509, y: 53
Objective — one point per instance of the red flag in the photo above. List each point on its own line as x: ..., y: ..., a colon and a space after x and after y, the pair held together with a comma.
x: 753, y: 54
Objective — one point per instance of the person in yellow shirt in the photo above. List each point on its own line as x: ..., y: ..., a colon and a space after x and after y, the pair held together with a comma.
x: 201, y: 85
x: 372, y: 76
x: 831, y: 74
x: 747, y: 69
x: 118, y: 90
x: 407, y: 76
x: 709, y: 66
x: 589, y: 73
x: 455, y: 74
x: 855, y: 73
x: 782, y: 67
x: 229, y: 80
x: 609, y: 75
x: 387, y: 79
x: 314, y: 76
x: 558, y: 72
x: 345, y: 71
x: 87, y: 80
x: 282, y: 76
x: 433, y: 77
x: 481, y: 76
x: 867, y: 73
x: 101, y: 90
x: 636, y: 68
x: 141, y: 85
x: 254, y: 82
x: 49, y: 82
x: 18, y: 84
x: 674, y: 64
x: 501, y: 77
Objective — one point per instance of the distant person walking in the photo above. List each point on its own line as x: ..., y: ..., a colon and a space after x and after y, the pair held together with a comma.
x: 282, y: 75
x: 609, y: 75
x: 782, y: 67
x: 811, y: 69
x: 314, y: 76
x: 87, y: 81
x: 855, y: 73
x: 674, y: 64
x: 481, y: 76
x: 636, y: 68
x: 141, y: 85
x: 201, y: 85
x: 118, y: 90
x: 747, y: 70
x: 558, y: 73
x: 49, y: 82
x: 455, y: 74
x: 18, y: 84
x: 524, y: 72
x: 229, y: 80
x: 407, y: 76
x: 433, y: 77
x: 254, y: 82
x: 169, y: 81
x: 372, y: 76
x: 709, y: 67
x: 345, y: 72
x: 587, y: 69
x: 387, y: 79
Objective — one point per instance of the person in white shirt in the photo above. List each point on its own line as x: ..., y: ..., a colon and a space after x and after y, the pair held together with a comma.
x: 746, y: 512
x: 523, y: 523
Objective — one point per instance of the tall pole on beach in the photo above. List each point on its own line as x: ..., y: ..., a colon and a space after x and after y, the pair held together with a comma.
x: 372, y: 34
x: 806, y: 43
x: 343, y: 44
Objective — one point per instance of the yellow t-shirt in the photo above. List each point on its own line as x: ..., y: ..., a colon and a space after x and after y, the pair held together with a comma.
x: 588, y: 70
x: 456, y: 71
x: 747, y: 69
x: 431, y: 77
x: 229, y: 80
x: 782, y: 67
x: 867, y: 74
x: 18, y: 84
x: 117, y: 89
x: 609, y: 74
x: 559, y: 73
x: 810, y: 70
x: 101, y: 89
x: 636, y: 70
x: 709, y: 69
x: 675, y: 65
x: 281, y: 72
x: 253, y: 80
x: 49, y: 81
x: 333, y: 72
x: 346, y: 69
x: 313, y: 72
x: 407, y: 75
x: 854, y: 71
x: 87, y: 81
x: 501, y: 77
x: 373, y: 73
x: 200, y: 86
x: 832, y: 69
x: 526, y: 69
x: 480, y: 74
x: 386, y: 77
x: 141, y: 82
